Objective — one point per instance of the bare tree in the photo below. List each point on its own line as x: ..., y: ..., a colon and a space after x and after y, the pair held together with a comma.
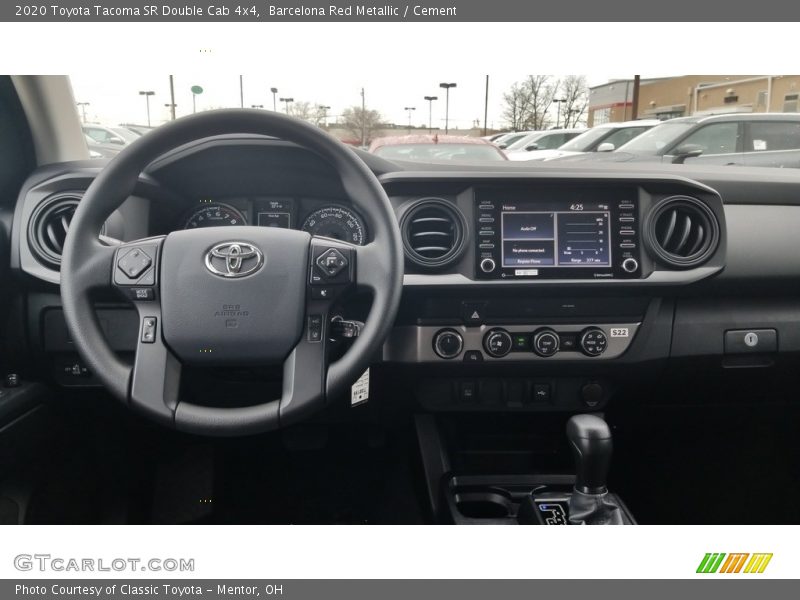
x: 357, y: 120
x: 515, y: 111
x: 575, y: 92
x: 302, y: 110
x: 526, y: 103
x: 320, y: 115
x: 542, y: 90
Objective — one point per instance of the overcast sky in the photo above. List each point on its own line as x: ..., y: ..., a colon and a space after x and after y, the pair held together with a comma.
x: 396, y: 63
x: 114, y: 98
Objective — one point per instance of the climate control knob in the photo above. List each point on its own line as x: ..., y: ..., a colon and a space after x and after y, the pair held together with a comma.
x: 448, y: 343
x: 545, y: 342
x: 593, y: 341
x: 488, y: 265
x: 497, y: 342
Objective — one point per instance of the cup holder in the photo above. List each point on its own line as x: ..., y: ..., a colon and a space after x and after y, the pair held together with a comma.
x: 484, y: 505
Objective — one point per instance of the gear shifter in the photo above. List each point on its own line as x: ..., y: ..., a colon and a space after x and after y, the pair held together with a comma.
x: 590, y: 503
x: 590, y: 439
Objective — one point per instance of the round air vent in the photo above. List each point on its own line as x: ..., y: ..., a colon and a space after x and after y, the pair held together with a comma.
x: 48, y: 227
x: 682, y: 232
x: 433, y: 232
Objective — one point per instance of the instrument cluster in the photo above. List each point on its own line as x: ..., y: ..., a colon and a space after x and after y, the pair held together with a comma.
x: 318, y: 217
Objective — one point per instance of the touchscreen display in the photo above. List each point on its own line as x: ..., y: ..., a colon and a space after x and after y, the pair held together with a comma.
x: 544, y: 234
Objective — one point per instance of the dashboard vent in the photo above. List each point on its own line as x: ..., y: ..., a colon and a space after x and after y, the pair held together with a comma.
x: 683, y: 232
x: 433, y: 232
x: 48, y: 228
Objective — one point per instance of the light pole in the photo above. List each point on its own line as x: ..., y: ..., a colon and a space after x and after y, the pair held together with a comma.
x: 447, y: 87
x: 274, y: 102
x: 410, y: 109
x: 287, y: 101
x: 363, y: 119
x: 147, y: 95
x: 324, y: 110
x: 83, y: 106
x: 430, y: 100
x: 171, y: 108
x: 172, y: 105
x: 557, y: 102
x: 241, y: 91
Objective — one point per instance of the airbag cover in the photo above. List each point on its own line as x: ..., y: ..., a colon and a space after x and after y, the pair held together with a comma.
x: 233, y: 306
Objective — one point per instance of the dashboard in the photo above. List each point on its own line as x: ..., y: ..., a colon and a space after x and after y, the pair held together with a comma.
x: 524, y: 289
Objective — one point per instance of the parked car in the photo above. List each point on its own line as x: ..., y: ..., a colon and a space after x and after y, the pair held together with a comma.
x: 602, y: 138
x: 757, y: 140
x: 99, y: 150
x: 510, y: 138
x: 137, y: 129
x: 543, y: 140
x: 111, y: 139
x: 436, y: 147
x: 495, y: 136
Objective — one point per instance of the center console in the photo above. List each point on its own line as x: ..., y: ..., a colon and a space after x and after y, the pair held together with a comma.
x: 538, y: 498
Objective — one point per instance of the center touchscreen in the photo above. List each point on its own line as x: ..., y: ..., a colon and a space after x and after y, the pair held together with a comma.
x: 546, y: 235
x: 588, y: 232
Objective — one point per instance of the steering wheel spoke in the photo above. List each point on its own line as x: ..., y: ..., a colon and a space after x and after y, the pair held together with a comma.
x: 370, y: 269
x: 155, y: 380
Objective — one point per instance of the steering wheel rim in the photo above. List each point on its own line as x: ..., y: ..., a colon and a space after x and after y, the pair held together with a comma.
x: 152, y: 384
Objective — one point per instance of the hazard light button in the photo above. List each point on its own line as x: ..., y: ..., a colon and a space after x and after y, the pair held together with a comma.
x: 473, y: 313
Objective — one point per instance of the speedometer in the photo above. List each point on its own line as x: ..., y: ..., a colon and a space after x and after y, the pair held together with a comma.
x: 214, y: 215
x: 336, y: 222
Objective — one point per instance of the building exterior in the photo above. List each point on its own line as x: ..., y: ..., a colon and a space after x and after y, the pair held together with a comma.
x: 669, y: 97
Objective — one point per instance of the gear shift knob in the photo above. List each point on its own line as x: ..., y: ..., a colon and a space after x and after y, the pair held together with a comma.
x: 590, y: 439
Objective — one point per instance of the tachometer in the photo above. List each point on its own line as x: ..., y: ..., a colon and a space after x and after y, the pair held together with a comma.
x: 336, y: 222
x: 214, y: 215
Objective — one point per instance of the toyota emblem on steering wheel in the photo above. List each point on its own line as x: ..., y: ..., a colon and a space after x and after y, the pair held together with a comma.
x: 234, y: 259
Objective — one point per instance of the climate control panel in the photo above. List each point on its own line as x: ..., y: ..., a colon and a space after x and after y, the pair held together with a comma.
x: 541, y: 342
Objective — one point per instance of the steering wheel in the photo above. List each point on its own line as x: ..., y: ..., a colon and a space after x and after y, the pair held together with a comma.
x: 230, y: 296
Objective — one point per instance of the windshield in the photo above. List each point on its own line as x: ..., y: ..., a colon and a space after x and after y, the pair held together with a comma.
x: 436, y: 152
x: 656, y: 140
x: 538, y: 113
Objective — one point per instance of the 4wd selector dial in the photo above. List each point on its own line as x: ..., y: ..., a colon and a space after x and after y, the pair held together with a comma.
x: 497, y: 342
x: 448, y: 343
x: 593, y: 341
x: 545, y: 342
